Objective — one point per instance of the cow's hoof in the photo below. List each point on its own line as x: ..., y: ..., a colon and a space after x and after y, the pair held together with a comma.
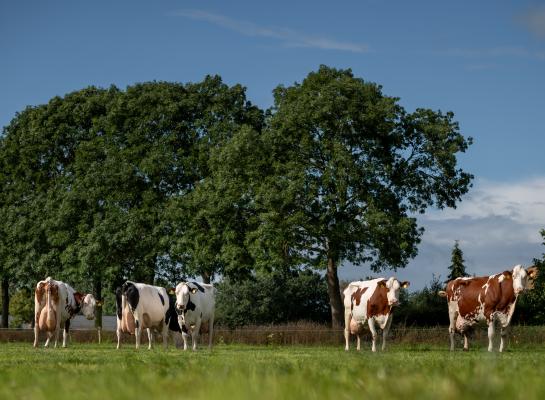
x: 466, y: 349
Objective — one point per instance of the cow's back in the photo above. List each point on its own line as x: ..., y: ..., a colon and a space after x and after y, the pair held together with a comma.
x: 152, y: 305
x: 359, y: 300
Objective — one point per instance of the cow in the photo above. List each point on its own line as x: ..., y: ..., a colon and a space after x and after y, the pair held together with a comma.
x: 55, y: 304
x: 140, y: 306
x: 489, y: 299
x: 126, y: 322
x: 372, y: 302
x: 195, y: 306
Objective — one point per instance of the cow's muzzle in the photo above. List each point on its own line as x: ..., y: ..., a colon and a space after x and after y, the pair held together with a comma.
x: 180, y: 309
x: 393, y: 303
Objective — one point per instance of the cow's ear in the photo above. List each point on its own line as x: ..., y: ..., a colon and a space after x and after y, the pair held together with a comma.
x: 506, y: 276
x: 532, y: 272
x: 405, y: 284
x: 382, y: 283
x: 194, y: 290
x: 172, y: 291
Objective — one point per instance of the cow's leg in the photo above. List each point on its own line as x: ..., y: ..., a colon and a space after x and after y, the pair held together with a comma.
x: 118, y: 332
x: 185, y: 337
x: 65, y: 332
x: 466, y: 342
x: 453, y: 315
x: 385, y: 330
x: 36, y: 328
x: 49, y: 335
x: 371, y: 323
x: 57, y: 331
x: 210, y: 331
x: 195, y: 334
x: 491, y: 332
x: 358, y: 342
x: 150, y: 338
x: 347, y: 318
x: 504, y: 332
x: 137, y: 331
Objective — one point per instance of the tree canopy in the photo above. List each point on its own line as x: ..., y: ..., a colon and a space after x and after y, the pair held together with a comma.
x: 161, y: 181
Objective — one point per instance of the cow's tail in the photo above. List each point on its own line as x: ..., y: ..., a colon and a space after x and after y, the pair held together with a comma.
x: 442, y: 293
x: 50, y: 317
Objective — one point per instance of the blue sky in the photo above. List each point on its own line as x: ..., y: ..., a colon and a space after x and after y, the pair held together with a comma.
x: 483, y: 60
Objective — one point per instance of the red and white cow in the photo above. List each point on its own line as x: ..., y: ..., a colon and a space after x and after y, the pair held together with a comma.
x: 55, y: 304
x: 144, y: 307
x: 489, y: 299
x: 195, y: 305
x: 372, y: 302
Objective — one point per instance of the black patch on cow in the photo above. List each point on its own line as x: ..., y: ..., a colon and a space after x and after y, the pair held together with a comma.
x: 161, y: 297
x: 118, y: 303
x: 171, y: 318
x: 136, y: 323
x: 67, y: 325
x: 201, y: 289
x: 132, y: 294
x: 190, y: 306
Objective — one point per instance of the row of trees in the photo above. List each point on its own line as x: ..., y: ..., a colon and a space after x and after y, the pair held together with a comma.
x: 164, y: 181
x: 295, y: 295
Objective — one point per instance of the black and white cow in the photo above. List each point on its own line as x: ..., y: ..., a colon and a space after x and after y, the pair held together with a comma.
x: 195, y: 305
x: 141, y: 306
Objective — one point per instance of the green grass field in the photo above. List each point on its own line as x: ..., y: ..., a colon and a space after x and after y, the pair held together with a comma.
x: 90, y: 371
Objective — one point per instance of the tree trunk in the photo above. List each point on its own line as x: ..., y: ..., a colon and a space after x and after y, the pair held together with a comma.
x: 206, y: 277
x: 334, y: 292
x: 98, y: 310
x: 5, y: 302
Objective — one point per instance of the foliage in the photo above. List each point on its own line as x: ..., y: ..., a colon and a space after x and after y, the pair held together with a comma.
x: 457, y: 267
x: 21, y: 307
x: 266, y: 298
x: 348, y: 168
x: 531, y: 306
x: 423, y: 307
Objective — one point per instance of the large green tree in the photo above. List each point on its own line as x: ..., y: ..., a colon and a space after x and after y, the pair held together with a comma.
x: 349, y: 170
x: 96, y: 184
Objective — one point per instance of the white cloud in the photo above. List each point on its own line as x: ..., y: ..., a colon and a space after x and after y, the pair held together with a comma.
x: 498, y: 225
x: 522, y: 202
x: 289, y: 37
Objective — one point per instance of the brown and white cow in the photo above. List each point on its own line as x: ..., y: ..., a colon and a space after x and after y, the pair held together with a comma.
x: 55, y: 304
x: 489, y: 299
x: 372, y: 302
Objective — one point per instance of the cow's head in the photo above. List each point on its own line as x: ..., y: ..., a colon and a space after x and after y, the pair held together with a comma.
x: 393, y: 286
x: 88, y: 306
x: 183, y: 292
x: 521, y: 278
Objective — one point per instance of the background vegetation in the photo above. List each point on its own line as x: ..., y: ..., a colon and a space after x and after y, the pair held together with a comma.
x: 163, y: 182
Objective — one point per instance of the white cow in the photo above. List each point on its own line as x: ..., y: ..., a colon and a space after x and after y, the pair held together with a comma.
x: 195, y: 305
x: 55, y: 304
x: 372, y: 302
x: 149, y: 306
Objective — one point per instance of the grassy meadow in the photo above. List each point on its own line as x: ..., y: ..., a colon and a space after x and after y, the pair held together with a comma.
x: 92, y: 371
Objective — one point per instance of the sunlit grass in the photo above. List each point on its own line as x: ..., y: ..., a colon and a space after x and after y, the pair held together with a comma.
x: 93, y: 371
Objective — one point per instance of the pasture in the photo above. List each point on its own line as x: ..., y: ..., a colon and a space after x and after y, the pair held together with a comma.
x: 229, y: 371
